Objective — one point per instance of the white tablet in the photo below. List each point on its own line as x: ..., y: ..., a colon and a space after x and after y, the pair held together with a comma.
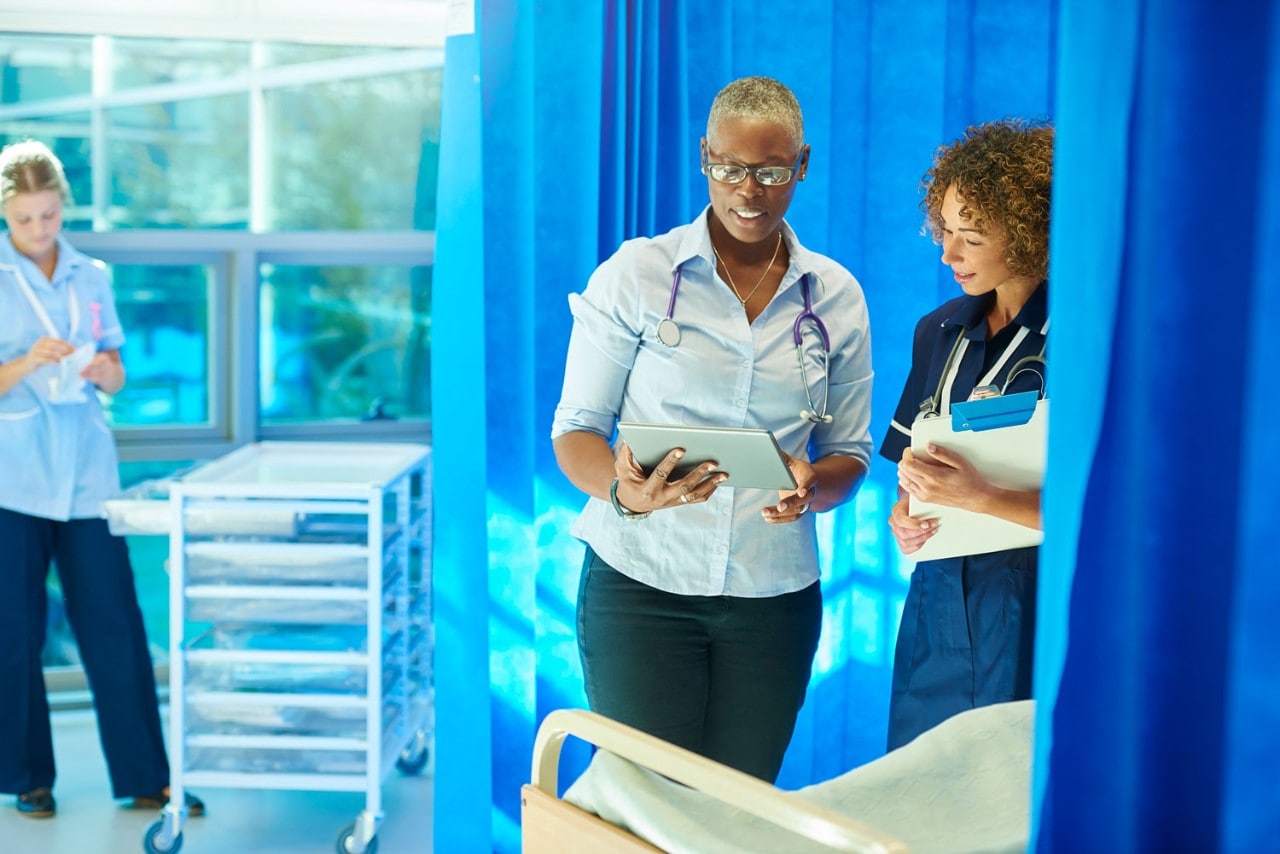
x: 751, y: 457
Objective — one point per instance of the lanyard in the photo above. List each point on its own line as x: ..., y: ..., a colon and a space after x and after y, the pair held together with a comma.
x: 73, y: 304
x: 940, y: 403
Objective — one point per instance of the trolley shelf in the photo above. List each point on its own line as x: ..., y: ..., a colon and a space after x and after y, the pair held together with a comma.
x: 300, y: 621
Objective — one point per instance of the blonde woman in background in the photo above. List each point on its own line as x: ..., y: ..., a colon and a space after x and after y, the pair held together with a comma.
x: 60, y: 343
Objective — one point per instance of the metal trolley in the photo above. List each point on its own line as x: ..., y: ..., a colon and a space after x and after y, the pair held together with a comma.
x: 300, y: 625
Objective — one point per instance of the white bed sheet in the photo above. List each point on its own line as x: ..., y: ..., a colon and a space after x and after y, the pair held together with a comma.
x: 963, y: 786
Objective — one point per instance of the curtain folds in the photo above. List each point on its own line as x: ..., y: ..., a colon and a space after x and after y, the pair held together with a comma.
x: 585, y: 132
x: 1164, y: 736
x: 462, y: 744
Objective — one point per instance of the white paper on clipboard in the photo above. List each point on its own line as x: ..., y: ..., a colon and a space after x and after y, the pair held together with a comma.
x: 1011, y: 457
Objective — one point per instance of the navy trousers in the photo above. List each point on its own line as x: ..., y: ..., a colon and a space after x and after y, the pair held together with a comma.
x: 102, y: 608
x: 723, y: 676
x: 966, y: 639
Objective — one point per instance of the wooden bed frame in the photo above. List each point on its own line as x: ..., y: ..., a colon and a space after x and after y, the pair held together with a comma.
x: 554, y: 826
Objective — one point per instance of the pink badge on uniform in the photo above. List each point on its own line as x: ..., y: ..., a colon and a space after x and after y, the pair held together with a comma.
x: 96, y: 309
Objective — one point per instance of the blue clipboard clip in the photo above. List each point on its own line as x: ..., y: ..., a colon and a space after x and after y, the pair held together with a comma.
x: 1006, y: 410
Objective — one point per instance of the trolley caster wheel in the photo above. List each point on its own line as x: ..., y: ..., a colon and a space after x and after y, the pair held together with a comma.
x: 347, y: 838
x: 151, y: 843
x: 412, y: 763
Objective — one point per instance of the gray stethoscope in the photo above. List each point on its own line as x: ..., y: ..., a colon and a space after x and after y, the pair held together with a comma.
x: 939, y: 403
x: 669, y: 334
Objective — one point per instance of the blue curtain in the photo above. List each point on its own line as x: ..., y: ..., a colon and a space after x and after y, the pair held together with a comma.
x: 569, y: 127
x: 1166, y: 730
x: 463, y: 732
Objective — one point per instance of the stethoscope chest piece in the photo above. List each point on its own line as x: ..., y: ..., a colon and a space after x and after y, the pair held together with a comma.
x: 668, y: 332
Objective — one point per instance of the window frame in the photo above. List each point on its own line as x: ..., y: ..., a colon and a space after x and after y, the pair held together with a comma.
x: 236, y: 258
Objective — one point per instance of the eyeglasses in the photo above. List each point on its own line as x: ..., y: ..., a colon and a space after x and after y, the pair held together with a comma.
x: 767, y: 176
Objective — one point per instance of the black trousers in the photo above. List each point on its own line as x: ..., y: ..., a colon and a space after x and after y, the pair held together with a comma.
x: 723, y: 676
x: 102, y: 608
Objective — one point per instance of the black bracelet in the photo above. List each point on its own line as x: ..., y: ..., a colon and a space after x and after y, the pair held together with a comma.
x: 622, y: 511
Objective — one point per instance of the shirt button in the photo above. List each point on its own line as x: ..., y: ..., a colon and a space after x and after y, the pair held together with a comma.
x: 722, y: 549
x: 739, y: 402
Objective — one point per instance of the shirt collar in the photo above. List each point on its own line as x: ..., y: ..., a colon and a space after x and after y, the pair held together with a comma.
x: 69, y: 258
x: 971, y: 312
x: 8, y: 255
x: 696, y: 243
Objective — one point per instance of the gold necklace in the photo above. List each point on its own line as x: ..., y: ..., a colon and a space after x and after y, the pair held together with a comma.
x: 759, y: 281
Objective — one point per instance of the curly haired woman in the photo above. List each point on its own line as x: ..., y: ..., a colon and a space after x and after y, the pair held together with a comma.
x: 967, y: 629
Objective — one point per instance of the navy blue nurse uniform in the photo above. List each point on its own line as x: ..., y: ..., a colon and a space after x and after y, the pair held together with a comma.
x: 968, y: 624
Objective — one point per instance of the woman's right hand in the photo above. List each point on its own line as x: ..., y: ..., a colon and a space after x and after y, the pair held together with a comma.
x: 910, y: 533
x: 640, y: 493
x: 48, y: 351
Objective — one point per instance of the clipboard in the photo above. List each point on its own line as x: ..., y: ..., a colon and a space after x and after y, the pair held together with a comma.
x: 1005, y: 439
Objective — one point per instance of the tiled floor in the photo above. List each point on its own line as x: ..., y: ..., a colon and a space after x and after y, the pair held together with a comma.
x: 238, y: 821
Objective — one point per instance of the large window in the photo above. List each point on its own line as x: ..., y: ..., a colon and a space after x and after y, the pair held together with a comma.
x: 265, y: 211
x: 310, y: 318
x: 166, y: 310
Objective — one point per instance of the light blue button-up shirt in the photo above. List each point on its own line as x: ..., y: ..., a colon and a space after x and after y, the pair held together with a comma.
x: 57, y: 460
x: 724, y: 372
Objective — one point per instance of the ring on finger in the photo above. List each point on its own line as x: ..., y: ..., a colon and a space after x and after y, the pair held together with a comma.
x: 684, y: 498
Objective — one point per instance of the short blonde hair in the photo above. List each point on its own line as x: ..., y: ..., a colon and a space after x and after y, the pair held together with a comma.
x: 30, y: 167
x: 758, y: 98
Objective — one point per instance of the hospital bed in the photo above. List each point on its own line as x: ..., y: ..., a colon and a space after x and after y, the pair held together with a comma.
x: 963, y: 786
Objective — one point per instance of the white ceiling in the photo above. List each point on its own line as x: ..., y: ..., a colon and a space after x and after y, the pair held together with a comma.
x: 409, y: 23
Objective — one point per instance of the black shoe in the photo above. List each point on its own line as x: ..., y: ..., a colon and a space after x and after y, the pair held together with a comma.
x: 160, y: 799
x: 37, y: 803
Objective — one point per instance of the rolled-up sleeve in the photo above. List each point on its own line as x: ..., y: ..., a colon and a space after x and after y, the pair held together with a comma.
x: 898, y: 437
x: 602, y: 350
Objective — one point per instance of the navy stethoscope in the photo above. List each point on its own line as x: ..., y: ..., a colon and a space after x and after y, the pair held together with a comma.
x: 940, y: 401
x: 669, y: 334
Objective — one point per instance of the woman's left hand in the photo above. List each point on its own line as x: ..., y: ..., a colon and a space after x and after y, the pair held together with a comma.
x: 793, y: 503
x: 105, y: 370
x: 948, y: 479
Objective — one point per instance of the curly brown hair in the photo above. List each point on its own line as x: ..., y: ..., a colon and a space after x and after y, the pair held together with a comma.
x: 1003, y: 173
